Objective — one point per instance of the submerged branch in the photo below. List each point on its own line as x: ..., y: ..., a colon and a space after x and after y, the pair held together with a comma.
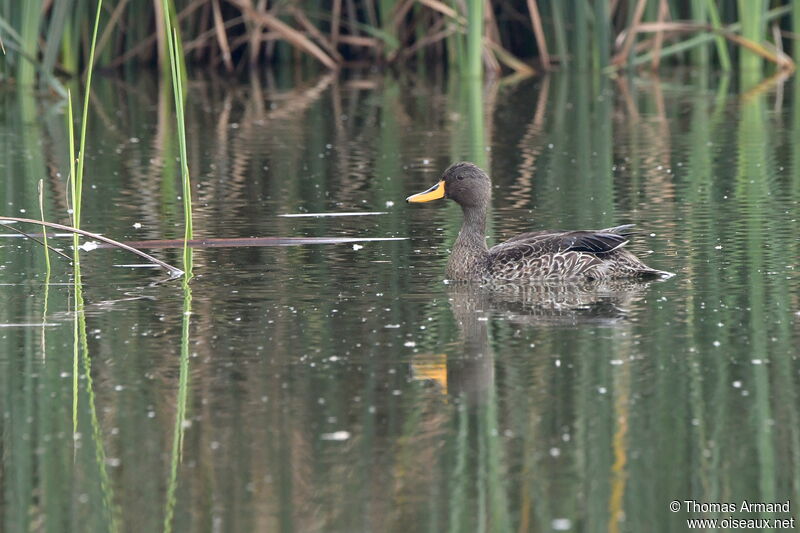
x: 34, y: 239
x: 175, y: 272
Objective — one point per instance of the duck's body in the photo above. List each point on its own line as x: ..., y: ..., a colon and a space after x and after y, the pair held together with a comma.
x: 540, y: 255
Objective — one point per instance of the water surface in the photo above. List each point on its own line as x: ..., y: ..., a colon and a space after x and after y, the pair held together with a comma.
x: 345, y: 387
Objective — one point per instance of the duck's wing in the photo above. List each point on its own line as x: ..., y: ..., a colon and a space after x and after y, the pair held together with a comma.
x: 555, y: 253
x: 550, y: 242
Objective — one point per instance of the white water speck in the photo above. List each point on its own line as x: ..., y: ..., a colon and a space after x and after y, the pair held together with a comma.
x: 357, y: 247
x: 756, y: 361
x: 602, y: 390
x: 336, y: 435
x: 737, y: 384
x: 561, y: 524
x: 555, y: 452
x: 409, y: 344
x: 89, y: 246
x: 389, y: 203
x: 137, y: 225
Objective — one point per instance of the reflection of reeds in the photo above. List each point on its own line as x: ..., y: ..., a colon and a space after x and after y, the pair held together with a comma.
x: 232, y: 34
x: 182, y: 396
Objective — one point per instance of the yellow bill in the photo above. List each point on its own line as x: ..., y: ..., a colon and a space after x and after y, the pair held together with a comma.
x: 434, y: 193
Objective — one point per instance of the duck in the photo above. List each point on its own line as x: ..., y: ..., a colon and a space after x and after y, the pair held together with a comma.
x: 548, y: 255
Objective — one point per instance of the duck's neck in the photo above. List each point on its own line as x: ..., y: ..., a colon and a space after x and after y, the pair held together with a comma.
x: 469, y: 251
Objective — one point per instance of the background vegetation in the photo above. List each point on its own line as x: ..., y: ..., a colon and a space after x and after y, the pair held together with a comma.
x: 52, y: 37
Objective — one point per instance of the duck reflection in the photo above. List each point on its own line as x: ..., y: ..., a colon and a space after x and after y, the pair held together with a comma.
x: 502, y: 438
x: 469, y: 370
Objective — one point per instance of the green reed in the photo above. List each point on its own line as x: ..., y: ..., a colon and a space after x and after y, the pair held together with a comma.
x: 177, y: 73
x: 79, y: 329
x: 76, y: 189
x: 752, y: 14
x: 474, y: 60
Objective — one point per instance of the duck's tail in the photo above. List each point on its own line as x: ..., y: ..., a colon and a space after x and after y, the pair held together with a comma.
x: 652, y: 273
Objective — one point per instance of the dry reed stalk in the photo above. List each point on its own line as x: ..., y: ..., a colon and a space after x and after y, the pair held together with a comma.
x: 358, y: 40
x: 508, y: 59
x: 401, y: 10
x: 444, y: 9
x: 778, y: 57
x: 663, y: 9
x: 256, y: 35
x: 352, y: 17
x: 291, y: 35
x: 538, y: 33
x: 631, y: 35
x: 335, y: 22
x: 148, y: 41
x: 222, y: 35
x: 491, y: 29
x: 312, y: 30
x: 209, y: 35
x: 111, y: 24
x: 493, y: 51
x: 160, y: 33
x: 435, y: 34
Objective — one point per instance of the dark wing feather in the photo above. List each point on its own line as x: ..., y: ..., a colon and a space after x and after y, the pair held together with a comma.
x: 542, y: 242
x: 567, y: 254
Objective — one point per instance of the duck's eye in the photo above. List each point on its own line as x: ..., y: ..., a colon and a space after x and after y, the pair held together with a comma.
x: 460, y: 178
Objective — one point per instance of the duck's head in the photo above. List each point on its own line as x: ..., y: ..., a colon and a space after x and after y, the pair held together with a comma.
x: 464, y: 183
